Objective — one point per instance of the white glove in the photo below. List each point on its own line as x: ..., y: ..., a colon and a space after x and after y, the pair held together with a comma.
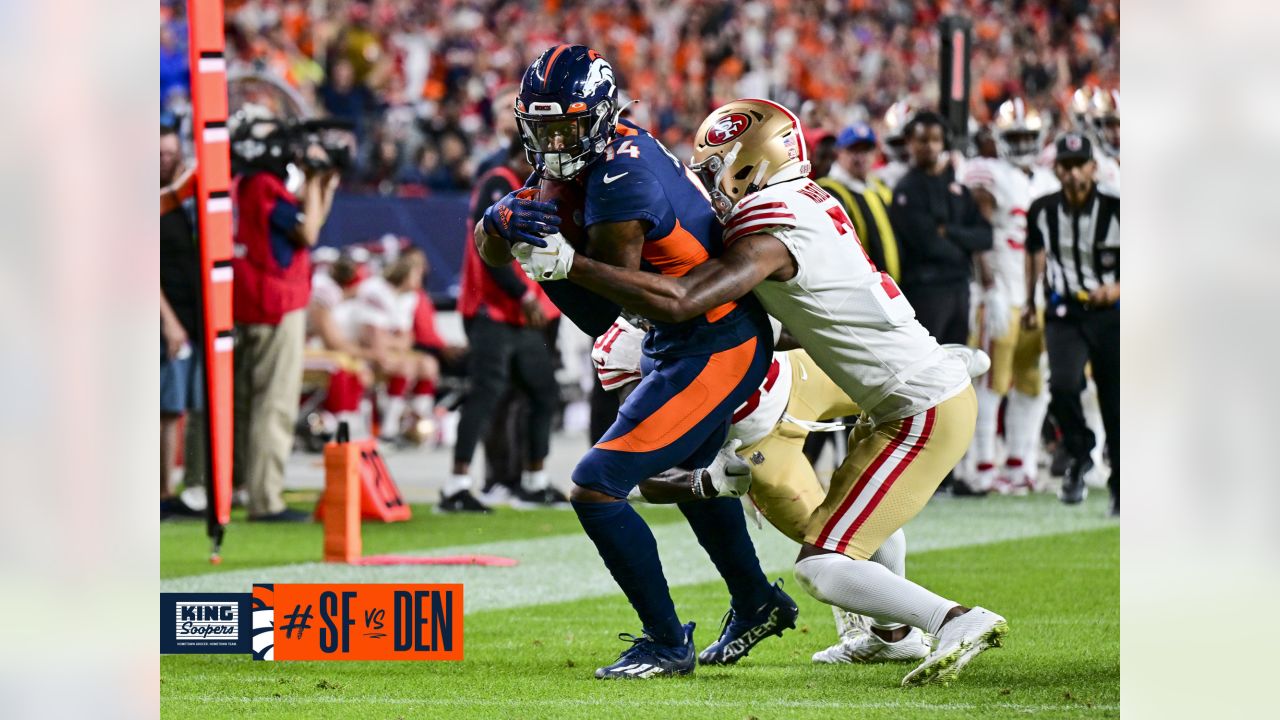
x: 996, y: 313
x: 730, y: 475
x: 549, y: 263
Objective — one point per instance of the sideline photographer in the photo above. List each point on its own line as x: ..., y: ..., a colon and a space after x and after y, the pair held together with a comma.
x: 272, y: 265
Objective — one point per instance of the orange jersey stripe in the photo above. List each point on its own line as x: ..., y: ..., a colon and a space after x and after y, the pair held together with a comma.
x: 677, y: 254
x: 690, y: 406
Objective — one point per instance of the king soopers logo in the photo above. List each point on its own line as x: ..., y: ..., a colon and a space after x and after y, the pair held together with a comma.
x: 727, y: 128
x: 208, y: 621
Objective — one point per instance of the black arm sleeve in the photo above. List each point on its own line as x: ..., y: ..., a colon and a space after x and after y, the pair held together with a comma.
x: 590, y: 312
x: 507, y: 279
x: 1035, y: 238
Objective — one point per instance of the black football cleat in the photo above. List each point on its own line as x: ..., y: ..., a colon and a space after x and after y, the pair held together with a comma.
x: 1073, y: 488
x: 740, y: 633
x: 461, y: 501
x: 647, y: 658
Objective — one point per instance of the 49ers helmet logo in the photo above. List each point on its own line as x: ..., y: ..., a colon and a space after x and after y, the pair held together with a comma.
x: 727, y: 128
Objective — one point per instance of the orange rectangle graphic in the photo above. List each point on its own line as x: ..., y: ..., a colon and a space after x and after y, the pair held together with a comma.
x: 368, y: 622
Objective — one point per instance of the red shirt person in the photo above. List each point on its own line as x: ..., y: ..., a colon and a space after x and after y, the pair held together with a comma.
x: 274, y: 236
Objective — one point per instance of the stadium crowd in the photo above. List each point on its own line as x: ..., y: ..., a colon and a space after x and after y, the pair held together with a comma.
x: 427, y: 88
x: 418, y: 79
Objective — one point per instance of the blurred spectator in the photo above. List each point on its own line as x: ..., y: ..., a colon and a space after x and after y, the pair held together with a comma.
x: 272, y: 286
x: 938, y: 228
x: 175, y: 72
x: 842, y: 61
x: 388, y: 309
x: 865, y: 198
x: 346, y: 99
x: 181, y: 352
x: 334, y: 348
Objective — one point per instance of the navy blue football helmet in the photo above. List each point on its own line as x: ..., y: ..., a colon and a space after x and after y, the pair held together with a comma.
x: 567, y: 109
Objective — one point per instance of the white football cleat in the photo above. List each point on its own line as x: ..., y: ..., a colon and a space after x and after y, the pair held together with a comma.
x: 870, y: 648
x: 959, y: 642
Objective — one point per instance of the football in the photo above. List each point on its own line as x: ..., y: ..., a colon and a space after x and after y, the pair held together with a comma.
x: 570, y: 199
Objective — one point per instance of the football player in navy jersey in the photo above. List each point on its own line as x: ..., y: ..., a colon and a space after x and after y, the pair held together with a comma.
x: 643, y: 210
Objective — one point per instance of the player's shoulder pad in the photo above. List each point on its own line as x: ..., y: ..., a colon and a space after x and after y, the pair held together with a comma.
x: 980, y: 172
x: 624, y: 188
x: 762, y: 211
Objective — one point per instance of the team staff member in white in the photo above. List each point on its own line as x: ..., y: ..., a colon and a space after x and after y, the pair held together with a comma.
x: 790, y: 242
x: 1073, y: 238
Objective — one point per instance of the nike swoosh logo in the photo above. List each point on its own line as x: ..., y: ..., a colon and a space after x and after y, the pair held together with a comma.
x: 608, y: 179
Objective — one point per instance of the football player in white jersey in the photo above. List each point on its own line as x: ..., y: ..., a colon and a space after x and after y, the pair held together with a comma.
x: 770, y: 428
x: 1002, y: 187
x: 895, y: 143
x: 1096, y: 112
x: 790, y: 242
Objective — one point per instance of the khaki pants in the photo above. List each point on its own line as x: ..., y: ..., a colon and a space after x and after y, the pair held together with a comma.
x: 783, y: 484
x: 268, y: 382
x: 891, y: 472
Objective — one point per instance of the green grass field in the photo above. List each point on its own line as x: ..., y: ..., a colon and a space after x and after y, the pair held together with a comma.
x: 1052, y: 571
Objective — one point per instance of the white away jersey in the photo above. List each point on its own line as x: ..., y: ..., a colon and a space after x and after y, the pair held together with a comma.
x: 382, y: 306
x: 854, y: 321
x: 1043, y: 182
x: 1108, y: 175
x: 345, y: 313
x: 1011, y: 189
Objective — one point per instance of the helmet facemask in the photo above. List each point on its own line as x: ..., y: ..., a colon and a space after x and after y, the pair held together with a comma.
x: 1020, y: 147
x: 711, y: 173
x: 561, y: 146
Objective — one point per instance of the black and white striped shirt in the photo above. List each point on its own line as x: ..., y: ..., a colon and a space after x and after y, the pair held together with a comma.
x: 1082, y: 246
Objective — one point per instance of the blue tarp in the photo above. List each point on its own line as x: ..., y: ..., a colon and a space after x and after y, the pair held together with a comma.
x: 438, y: 224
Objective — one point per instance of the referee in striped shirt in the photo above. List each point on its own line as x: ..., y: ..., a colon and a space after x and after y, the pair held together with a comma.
x: 1073, y: 241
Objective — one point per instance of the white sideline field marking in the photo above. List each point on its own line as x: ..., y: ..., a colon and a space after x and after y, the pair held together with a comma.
x: 563, y: 568
x: 471, y: 702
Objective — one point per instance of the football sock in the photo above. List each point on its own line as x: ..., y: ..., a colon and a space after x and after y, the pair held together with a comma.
x: 1022, y: 420
x: 984, y: 432
x: 456, y: 484
x: 345, y: 391
x: 893, y: 555
x: 424, y: 398
x: 721, y: 529
x: 871, y: 589
x: 394, y: 410
x: 534, y: 480
x: 627, y: 546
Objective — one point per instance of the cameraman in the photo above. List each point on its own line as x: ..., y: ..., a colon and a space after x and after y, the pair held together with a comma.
x: 272, y: 287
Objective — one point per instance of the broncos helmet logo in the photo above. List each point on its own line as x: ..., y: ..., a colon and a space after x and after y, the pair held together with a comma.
x: 598, y: 74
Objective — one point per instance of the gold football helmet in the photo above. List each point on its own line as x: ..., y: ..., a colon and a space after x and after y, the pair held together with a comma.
x: 1097, y: 112
x: 895, y: 127
x: 744, y: 146
x: 1019, y: 130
